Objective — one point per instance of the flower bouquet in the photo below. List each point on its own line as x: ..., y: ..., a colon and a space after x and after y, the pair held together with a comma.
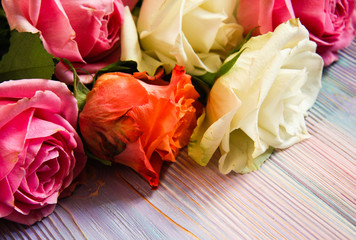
x: 134, y: 82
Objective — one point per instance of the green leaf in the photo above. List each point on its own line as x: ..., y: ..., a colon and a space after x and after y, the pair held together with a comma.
x: 247, y: 37
x: 120, y: 66
x: 209, y: 78
x: 202, y: 88
x: 4, y: 33
x: 228, y: 65
x: 136, y: 11
x: 26, y: 58
x: 80, y: 90
x: 92, y: 156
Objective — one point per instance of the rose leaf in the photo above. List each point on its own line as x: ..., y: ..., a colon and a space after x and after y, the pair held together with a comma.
x: 209, y: 78
x: 80, y: 90
x: 4, y: 33
x: 26, y: 58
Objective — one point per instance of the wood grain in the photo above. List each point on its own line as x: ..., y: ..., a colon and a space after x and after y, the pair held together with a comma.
x: 304, y: 192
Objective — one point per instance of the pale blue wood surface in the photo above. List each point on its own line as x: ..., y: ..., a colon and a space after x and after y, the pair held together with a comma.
x: 304, y: 192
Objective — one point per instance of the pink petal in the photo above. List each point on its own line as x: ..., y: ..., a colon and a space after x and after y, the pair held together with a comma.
x: 18, y: 15
x: 56, y: 31
x: 312, y: 15
x: 27, y: 88
x: 282, y: 12
x: 101, y: 21
x: 33, y: 216
x: 130, y: 3
x: 44, y: 100
x: 109, y: 36
x: 15, y: 177
x: 6, y: 198
x: 63, y: 73
x: 71, y: 138
x: 266, y: 15
x: 44, y: 153
x: 26, y: 202
x: 12, y: 140
x: 40, y: 128
x: 66, y: 76
x: 255, y: 13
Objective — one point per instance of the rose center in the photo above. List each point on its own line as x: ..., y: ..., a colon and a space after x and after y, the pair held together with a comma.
x: 337, y: 13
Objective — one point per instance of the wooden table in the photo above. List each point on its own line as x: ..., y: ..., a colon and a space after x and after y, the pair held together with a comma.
x: 304, y: 192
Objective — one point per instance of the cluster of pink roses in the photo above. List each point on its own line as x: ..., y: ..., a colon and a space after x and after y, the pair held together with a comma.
x: 331, y: 24
x: 135, y: 119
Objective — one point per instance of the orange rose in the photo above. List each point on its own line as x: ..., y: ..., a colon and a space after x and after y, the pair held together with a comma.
x: 138, y: 120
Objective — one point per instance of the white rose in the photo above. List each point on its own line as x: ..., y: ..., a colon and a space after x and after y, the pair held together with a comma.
x: 260, y: 104
x: 196, y: 34
x: 130, y: 46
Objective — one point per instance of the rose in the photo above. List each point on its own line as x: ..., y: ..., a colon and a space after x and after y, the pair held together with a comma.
x: 261, y: 102
x: 138, y: 124
x: 329, y: 22
x: 176, y: 32
x: 84, y: 32
x: 40, y: 151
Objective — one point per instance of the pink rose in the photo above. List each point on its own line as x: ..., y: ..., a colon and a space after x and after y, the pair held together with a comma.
x: 40, y: 150
x: 85, y: 32
x: 329, y: 22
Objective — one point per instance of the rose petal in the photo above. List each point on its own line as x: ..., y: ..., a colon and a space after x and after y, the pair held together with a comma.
x: 32, y: 216
x: 211, y: 128
x: 95, y: 16
x: 61, y: 42
x: 312, y: 14
x: 16, y: 18
x: 134, y: 157
x: 236, y: 154
x: 201, y: 19
x: 158, y: 110
x: 12, y: 141
x: 28, y: 88
x: 15, y: 177
x: 130, y: 3
x: 130, y: 47
x: 6, y: 198
x: 168, y: 29
x: 40, y: 128
x: 44, y: 153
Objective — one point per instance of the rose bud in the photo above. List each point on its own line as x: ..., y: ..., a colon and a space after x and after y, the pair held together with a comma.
x: 139, y: 121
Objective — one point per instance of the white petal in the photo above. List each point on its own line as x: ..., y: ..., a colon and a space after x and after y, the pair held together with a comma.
x: 175, y: 32
x: 130, y: 47
x: 238, y: 156
x: 212, y: 127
